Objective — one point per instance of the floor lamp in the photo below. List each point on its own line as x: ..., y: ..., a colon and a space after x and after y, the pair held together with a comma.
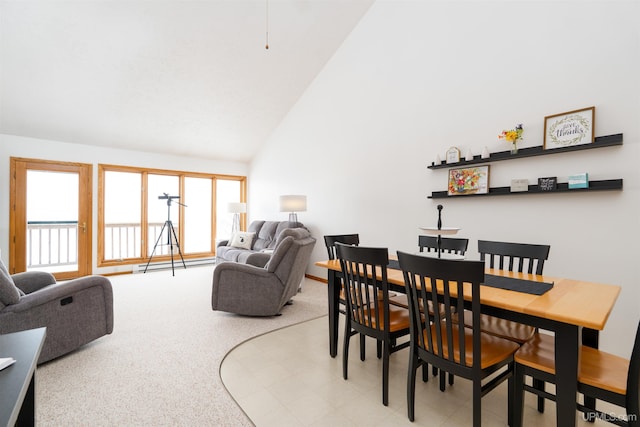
x: 236, y: 208
x: 293, y: 204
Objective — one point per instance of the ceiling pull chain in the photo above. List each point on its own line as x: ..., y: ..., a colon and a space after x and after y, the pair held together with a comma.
x: 267, y: 25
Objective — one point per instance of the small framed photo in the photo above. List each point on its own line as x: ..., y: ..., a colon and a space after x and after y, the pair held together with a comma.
x: 453, y: 155
x: 466, y: 181
x: 548, y: 184
x: 570, y: 128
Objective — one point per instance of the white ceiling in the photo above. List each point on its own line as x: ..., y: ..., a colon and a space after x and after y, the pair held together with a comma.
x: 180, y: 77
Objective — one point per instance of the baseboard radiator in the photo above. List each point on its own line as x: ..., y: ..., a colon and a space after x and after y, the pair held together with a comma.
x: 177, y: 264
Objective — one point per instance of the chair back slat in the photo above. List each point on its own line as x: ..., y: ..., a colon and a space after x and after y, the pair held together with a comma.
x: 331, y: 240
x: 449, y: 284
x: 520, y: 257
x: 448, y: 244
x: 366, y: 287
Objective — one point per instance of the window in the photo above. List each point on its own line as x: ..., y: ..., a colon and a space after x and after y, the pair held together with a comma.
x: 227, y: 191
x: 198, y: 216
x: 122, y: 215
x: 134, y: 223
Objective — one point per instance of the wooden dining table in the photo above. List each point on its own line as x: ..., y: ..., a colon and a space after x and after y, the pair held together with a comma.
x: 572, y: 309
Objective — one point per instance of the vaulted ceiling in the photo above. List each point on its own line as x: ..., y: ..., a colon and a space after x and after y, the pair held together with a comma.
x: 181, y: 77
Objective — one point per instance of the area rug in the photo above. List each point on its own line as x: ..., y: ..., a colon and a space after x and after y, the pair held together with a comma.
x: 160, y: 366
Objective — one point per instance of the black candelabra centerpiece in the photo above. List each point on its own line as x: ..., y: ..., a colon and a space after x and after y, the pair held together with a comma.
x: 438, y: 231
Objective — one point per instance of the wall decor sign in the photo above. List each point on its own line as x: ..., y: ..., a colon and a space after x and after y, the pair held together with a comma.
x: 453, y: 155
x: 570, y: 128
x: 580, y: 180
x: 519, y: 185
x: 548, y: 184
x: 465, y: 181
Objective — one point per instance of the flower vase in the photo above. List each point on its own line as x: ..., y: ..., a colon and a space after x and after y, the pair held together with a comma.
x: 514, y: 148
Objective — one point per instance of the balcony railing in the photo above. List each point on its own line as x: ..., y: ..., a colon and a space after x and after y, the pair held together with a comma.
x: 54, y: 243
x: 122, y: 241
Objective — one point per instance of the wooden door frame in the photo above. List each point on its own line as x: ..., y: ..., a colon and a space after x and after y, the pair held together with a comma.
x: 18, y: 214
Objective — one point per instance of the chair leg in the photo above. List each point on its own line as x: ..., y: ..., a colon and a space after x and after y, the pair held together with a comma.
x: 510, y: 398
x: 477, y: 403
x: 443, y: 379
x: 451, y: 376
x: 518, y: 396
x: 363, y: 349
x: 411, y: 384
x: 425, y: 372
x: 379, y: 349
x: 345, y: 347
x: 539, y: 385
x: 590, y: 403
x: 385, y: 373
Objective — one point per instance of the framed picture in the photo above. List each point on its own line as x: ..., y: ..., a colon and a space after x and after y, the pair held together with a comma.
x: 465, y: 181
x: 570, y: 128
x: 548, y: 184
x: 453, y: 155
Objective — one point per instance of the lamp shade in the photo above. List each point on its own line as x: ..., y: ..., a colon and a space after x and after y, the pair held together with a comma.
x: 293, y: 203
x: 237, y: 207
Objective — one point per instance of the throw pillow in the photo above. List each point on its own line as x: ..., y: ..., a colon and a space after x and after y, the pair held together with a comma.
x: 8, y: 291
x: 242, y: 240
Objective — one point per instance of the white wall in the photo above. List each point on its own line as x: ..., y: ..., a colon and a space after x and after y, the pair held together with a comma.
x: 415, y: 78
x: 14, y: 146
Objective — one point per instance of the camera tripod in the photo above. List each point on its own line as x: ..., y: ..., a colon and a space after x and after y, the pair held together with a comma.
x: 168, y: 225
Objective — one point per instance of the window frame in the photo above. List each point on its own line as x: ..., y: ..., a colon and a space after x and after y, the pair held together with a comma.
x: 144, y: 223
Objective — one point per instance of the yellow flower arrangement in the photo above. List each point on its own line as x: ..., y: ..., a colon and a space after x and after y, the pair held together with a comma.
x: 512, y: 135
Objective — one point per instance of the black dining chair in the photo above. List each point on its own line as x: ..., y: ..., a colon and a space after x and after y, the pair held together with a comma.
x: 601, y: 375
x: 331, y: 240
x: 330, y: 243
x: 466, y: 352
x: 453, y: 245
x: 368, y: 310
x: 518, y: 257
x: 521, y: 258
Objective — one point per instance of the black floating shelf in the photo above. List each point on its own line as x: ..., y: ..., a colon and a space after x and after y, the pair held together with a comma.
x: 563, y: 187
x: 600, y: 141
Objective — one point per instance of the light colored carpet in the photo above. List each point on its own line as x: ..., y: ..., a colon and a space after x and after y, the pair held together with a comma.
x: 160, y: 366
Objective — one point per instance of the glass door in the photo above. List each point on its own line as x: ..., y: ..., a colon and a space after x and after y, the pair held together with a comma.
x: 50, y: 221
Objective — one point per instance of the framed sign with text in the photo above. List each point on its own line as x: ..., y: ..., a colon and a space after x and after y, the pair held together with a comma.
x: 548, y: 184
x: 570, y: 128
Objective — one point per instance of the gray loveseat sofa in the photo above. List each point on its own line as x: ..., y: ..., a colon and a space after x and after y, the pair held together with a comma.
x: 263, y: 244
x: 263, y: 291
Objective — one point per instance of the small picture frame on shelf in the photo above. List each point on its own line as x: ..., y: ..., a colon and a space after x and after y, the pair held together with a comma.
x: 569, y: 129
x: 548, y: 184
x: 519, y: 185
x: 453, y: 155
x: 466, y: 181
x: 580, y: 180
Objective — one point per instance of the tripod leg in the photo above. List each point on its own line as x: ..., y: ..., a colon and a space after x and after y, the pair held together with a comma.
x: 156, y: 245
x: 178, y: 246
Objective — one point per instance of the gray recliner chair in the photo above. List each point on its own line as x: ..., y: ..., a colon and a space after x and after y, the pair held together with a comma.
x: 263, y: 291
x: 74, y: 312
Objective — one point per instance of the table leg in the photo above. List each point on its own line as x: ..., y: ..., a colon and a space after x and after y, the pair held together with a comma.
x: 567, y: 358
x: 591, y: 338
x: 27, y: 414
x: 333, y: 293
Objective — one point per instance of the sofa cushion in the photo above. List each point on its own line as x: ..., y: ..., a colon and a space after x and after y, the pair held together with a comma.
x: 242, y: 239
x: 9, y: 293
x: 282, y: 225
x: 266, y: 236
